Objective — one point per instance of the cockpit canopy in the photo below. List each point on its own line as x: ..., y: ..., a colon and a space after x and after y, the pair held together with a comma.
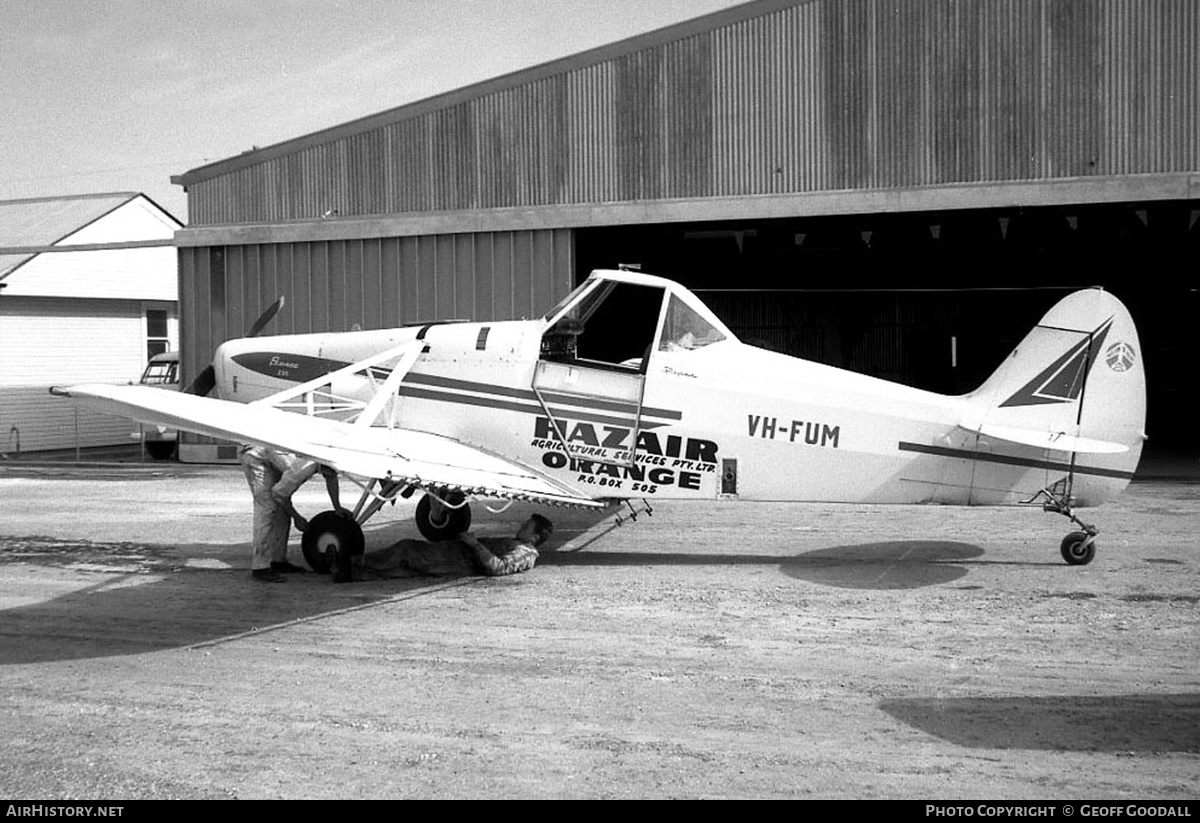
x: 617, y: 318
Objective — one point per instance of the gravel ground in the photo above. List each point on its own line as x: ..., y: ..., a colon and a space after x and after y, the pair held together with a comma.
x: 721, y: 650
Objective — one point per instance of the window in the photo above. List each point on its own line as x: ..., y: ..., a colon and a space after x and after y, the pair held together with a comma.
x: 685, y: 330
x: 158, y: 340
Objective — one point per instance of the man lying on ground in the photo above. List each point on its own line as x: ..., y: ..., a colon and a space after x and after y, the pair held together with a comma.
x: 462, y: 555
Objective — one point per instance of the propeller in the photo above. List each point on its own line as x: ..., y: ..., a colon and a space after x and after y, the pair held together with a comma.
x: 207, y: 378
x: 266, y: 317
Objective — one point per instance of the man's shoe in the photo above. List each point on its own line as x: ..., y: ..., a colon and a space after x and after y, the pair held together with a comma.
x: 339, y: 565
x: 267, y: 576
x: 284, y: 567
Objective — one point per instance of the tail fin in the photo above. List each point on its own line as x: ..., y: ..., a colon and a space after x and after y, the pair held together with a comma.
x: 1074, y: 384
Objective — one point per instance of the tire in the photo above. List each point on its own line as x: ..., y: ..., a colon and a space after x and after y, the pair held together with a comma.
x: 330, y: 530
x: 454, y: 521
x: 160, y: 449
x: 1073, y: 550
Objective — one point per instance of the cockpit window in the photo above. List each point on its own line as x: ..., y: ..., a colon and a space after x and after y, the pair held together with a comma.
x: 685, y: 330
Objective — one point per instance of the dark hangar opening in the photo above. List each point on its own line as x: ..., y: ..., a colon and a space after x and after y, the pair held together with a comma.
x: 936, y: 300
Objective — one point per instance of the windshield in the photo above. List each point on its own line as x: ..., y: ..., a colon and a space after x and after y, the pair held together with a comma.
x: 572, y: 297
x: 160, y: 372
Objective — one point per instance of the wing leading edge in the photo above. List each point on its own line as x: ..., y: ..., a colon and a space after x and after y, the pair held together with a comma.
x: 431, y: 461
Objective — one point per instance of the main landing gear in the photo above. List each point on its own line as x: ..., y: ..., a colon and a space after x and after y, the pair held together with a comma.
x: 438, y: 518
x: 443, y: 519
x: 330, y: 530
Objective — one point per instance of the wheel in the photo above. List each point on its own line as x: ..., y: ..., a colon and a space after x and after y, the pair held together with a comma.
x: 330, y: 530
x: 160, y: 449
x: 450, y: 523
x: 1076, y: 550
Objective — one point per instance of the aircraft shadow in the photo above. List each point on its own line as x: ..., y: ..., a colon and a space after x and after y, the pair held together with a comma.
x: 907, y: 564
x: 151, y: 597
x: 1121, y: 723
x: 898, y: 564
x: 158, y: 604
x: 147, y: 599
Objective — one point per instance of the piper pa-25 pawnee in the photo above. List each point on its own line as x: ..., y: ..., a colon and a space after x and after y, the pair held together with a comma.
x: 632, y: 389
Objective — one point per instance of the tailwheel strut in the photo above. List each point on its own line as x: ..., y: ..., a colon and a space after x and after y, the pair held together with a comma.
x: 1079, y: 547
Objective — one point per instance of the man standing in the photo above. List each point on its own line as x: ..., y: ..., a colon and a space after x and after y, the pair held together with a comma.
x: 274, y: 476
x: 464, y: 555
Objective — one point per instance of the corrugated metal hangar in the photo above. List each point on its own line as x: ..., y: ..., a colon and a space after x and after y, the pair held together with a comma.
x: 897, y: 187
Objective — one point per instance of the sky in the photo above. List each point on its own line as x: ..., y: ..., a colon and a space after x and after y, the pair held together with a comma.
x: 119, y: 95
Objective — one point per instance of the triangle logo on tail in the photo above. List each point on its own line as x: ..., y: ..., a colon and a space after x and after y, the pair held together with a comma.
x: 1062, y: 381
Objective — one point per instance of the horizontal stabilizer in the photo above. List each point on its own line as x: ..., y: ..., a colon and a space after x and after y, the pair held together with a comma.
x: 1056, y: 440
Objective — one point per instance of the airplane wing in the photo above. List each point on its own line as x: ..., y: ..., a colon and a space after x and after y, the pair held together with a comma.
x: 433, y: 462
x: 1057, y: 440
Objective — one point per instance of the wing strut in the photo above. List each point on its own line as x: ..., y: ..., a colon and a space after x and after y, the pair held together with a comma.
x: 407, y: 354
x: 388, y: 390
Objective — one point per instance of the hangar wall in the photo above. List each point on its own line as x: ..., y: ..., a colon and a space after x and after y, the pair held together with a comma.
x: 763, y: 99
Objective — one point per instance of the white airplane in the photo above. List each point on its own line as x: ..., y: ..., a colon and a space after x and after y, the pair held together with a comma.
x: 632, y: 389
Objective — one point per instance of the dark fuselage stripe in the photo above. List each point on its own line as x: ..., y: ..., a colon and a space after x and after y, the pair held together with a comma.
x: 1028, y: 462
x: 526, y: 394
x: 527, y: 408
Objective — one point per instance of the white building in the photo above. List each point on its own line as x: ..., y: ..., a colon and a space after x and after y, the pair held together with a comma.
x: 88, y: 292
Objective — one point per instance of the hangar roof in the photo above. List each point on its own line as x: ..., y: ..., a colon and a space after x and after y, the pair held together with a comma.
x: 774, y: 108
x: 44, y: 221
x: 445, y: 100
x: 31, y: 226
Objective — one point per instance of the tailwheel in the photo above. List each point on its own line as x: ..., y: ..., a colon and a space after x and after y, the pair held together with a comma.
x: 438, y: 521
x: 1078, y: 548
x: 330, y: 530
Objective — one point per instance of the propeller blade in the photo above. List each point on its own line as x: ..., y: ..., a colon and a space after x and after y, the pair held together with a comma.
x: 203, y: 383
x: 266, y: 317
x: 207, y: 378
